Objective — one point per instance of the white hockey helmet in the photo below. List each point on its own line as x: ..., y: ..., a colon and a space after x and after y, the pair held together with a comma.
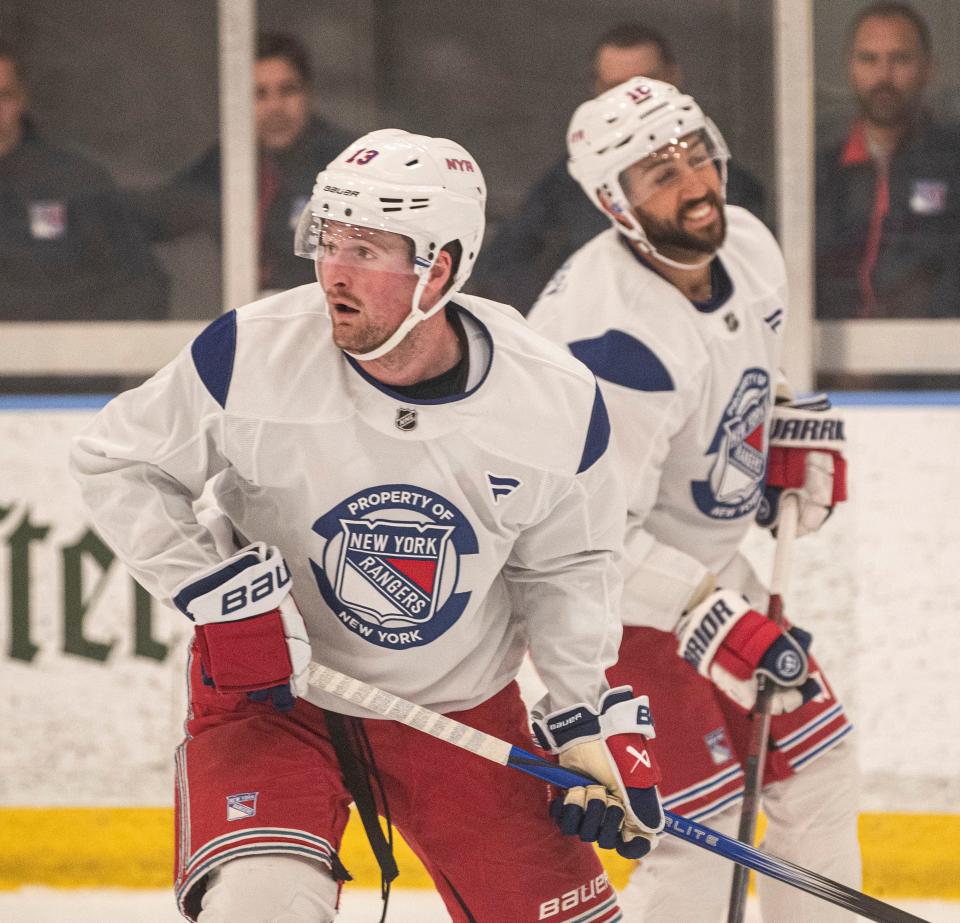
x: 621, y: 127
x: 430, y: 190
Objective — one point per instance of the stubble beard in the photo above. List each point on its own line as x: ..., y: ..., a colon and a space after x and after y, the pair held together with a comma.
x: 363, y: 339
x: 359, y: 334
x: 887, y: 106
x: 670, y: 237
x: 360, y: 341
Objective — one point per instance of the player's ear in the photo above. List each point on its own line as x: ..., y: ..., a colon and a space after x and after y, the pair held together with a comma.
x: 445, y: 261
x: 441, y: 272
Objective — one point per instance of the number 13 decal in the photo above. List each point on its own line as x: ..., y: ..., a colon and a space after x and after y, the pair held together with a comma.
x: 362, y: 156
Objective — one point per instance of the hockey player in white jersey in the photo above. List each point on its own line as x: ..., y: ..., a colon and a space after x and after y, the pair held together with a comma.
x: 679, y: 310
x: 416, y: 490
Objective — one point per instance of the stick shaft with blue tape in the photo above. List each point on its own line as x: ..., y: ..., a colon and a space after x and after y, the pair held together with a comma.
x: 387, y: 705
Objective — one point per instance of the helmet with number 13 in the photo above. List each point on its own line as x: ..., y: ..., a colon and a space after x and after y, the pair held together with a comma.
x: 428, y: 191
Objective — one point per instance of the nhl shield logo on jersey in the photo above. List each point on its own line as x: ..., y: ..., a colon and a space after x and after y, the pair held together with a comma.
x: 391, y: 564
x: 406, y: 419
x: 735, y: 483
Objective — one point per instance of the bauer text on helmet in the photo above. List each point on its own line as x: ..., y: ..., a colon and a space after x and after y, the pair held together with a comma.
x: 639, y: 139
x: 428, y: 190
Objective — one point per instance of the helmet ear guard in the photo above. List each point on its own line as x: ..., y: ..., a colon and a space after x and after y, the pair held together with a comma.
x: 430, y: 190
x: 621, y: 127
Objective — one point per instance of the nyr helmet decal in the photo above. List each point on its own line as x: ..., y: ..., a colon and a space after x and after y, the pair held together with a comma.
x: 390, y: 567
x: 735, y: 483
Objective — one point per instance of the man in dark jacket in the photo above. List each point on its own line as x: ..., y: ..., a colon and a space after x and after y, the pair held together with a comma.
x: 557, y: 218
x: 888, y: 196
x: 68, y: 247
x: 294, y: 145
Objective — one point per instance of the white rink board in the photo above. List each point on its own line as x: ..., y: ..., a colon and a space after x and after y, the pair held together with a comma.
x: 878, y: 587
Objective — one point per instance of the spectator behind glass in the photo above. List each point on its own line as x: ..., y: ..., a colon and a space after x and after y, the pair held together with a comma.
x: 68, y: 249
x: 557, y: 218
x: 888, y: 196
x: 293, y: 144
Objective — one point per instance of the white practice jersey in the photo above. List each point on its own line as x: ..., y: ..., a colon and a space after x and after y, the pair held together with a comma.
x: 689, y: 389
x: 431, y: 542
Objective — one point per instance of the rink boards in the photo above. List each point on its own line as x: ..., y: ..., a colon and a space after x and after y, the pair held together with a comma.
x: 93, y: 698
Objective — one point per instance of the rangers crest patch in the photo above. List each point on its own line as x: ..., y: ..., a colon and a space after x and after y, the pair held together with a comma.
x: 390, y: 569
x: 720, y: 750
x: 240, y: 807
x: 735, y: 482
x: 48, y: 220
x: 928, y: 196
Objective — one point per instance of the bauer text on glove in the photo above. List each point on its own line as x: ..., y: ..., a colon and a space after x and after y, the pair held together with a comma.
x: 622, y: 811
x: 250, y: 635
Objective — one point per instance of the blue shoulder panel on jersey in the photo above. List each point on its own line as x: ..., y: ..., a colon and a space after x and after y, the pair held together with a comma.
x: 598, y: 433
x: 621, y: 359
x: 213, y: 354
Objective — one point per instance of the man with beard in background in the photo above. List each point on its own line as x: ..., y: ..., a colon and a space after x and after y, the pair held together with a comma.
x: 888, y: 215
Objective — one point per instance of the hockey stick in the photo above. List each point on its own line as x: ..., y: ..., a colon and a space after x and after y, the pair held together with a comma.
x: 499, y: 751
x: 760, y: 720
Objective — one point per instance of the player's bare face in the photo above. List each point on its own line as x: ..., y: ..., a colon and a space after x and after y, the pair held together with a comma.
x: 368, y: 279
x: 12, y: 104
x: 677, y: 197
x: 888, y: 69
x: 282, y: 106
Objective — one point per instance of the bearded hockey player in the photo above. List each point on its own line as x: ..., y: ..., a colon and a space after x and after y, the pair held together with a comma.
x: 414, y: 489
x: 679, y: 310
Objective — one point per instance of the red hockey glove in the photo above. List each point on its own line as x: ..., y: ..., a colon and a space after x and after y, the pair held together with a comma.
x: 250, y: 634
x: 623, y: 812
x: 806, y: 460
x: 731, y: 644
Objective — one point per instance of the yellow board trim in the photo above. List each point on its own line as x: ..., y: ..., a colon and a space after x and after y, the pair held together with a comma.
x: 904, y: 855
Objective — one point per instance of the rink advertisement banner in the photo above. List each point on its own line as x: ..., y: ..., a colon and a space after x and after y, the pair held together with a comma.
x: 92, y: 686
x: 92, y: 680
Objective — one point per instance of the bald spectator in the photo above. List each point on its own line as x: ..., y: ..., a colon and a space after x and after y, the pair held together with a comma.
x: 68, y: 248
x: 557, y: 218
x: 293, y: 145
x: 888, y: 196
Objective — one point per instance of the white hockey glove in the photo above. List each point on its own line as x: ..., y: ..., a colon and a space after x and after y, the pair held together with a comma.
x: 249, y: 632
x: 731, y: 644
x: 805, y: 460
x: 623, y: 812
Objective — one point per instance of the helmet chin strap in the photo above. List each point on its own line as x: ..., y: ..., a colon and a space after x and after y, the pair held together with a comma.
x: 415, y: 317
x: 648, y: 247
